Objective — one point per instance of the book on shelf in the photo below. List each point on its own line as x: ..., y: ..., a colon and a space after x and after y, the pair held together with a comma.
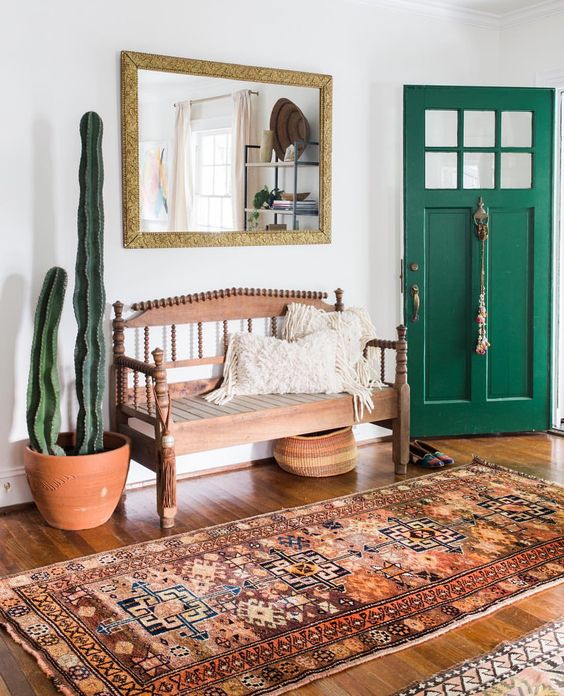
x: 289, y: 205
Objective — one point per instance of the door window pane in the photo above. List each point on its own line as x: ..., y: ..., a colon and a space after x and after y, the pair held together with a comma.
x: 478, y: 170
x: 516, y: 129
x: 516, y: 170
x: 440, y: 170
x: 441, y: 128
x: 479, y: 128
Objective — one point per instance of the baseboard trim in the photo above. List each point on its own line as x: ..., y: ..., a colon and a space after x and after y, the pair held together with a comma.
x: 14, y: 490
x: 13, y: 483
x: 240, y: 466
x: 17, y: 507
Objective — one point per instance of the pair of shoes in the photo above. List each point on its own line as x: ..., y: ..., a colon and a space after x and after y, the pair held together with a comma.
x: 423, y: 446
x: 422, y: 457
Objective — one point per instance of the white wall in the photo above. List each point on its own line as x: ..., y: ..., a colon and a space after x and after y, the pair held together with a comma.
x: 61, y: 58
x: 529, y: 52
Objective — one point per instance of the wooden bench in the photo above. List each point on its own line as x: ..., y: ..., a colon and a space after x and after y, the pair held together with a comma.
x: 141, y: 388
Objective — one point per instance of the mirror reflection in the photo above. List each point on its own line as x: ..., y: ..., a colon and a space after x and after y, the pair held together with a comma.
x: 219, y: 155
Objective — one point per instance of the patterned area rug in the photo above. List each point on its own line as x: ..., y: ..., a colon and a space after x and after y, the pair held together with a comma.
x: 531, y: 666
x: 262, y: 605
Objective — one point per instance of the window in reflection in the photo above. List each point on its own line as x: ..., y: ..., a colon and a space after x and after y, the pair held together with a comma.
x: 212, y: 199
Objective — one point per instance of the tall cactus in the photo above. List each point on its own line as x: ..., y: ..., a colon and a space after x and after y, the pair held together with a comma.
x: 89, y: 297
x: 43, y: 388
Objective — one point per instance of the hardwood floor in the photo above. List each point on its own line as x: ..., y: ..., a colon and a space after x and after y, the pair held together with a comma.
x: 26, y: 542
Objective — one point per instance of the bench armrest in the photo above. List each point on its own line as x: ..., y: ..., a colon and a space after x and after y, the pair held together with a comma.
x: 381, y: 343
x: 400, y: 346
x: 134, y: 364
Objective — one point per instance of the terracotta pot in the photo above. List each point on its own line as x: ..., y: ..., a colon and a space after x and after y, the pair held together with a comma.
x: 79, y: 491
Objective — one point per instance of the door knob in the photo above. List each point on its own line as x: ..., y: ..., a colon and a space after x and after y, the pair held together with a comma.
x: 414, y: 290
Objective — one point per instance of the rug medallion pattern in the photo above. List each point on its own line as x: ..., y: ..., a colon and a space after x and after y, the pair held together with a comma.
x: 261, y: 605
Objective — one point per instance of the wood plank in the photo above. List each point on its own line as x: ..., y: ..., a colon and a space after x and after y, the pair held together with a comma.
x: 270, y: 424
x: 12, y: 677
x: 308, y: 398
x: 221, y: 308
x: 260, y: 402
x: 193, y: 387
x: 233, y: 406
x: 195, y: 362
x: 180, y: 413
x: 302, y: 398
x: 140, y: 412
x: 204, y: 409
x: 230, y: 408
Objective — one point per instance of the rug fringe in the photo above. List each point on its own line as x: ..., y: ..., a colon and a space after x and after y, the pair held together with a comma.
x: 480, y: 461
x: 43, y: 666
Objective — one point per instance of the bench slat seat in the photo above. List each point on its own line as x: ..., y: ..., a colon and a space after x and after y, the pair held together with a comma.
x: 197, y: 408
x: 268, y: 418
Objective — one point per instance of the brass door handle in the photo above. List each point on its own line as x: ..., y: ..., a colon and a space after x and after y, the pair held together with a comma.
x: 414, y: 290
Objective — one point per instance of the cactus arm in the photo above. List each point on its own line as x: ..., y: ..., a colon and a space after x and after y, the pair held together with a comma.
x: 89, y: 297
x: 43, y: 389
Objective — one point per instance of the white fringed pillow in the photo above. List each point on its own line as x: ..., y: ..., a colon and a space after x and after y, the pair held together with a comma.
x: 354, y: 329
x: 257, y: 364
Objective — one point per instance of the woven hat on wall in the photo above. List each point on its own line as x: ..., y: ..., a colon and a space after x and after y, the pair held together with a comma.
x: 289, y: 124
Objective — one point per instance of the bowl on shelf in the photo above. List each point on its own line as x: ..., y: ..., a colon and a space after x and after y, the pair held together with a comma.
x: 299, y: 196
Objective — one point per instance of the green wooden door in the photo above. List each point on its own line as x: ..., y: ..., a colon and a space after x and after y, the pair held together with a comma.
x: 460, y: 144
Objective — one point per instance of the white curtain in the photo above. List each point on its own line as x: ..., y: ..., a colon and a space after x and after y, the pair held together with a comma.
x: 181, y: 207
x: 241, y: 136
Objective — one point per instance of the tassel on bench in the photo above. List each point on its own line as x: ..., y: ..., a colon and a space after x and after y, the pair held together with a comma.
x: 166, y: 472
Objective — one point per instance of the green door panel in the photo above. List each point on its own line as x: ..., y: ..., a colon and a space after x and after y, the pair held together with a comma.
x: 510, y: 305
x: 447, y: 363
x: 453, y: 389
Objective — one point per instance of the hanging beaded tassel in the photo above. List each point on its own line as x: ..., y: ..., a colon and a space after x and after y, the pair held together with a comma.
x: 483, y: 344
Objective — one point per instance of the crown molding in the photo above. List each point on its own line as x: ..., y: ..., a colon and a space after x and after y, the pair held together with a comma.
x: 477, y: 18
x: 539, y: 10
x: 438, y: 10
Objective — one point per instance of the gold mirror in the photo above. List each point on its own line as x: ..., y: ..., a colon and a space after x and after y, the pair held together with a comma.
x: 216, y: 154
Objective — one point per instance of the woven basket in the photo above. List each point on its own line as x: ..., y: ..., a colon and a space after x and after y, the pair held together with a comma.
x: 328, y: 453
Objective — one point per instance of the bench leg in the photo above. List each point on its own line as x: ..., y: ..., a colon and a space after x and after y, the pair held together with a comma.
x: 166, y: 486
x: 400, y: 432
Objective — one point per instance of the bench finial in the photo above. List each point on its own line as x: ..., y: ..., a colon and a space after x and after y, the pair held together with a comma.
x: 339, y: 306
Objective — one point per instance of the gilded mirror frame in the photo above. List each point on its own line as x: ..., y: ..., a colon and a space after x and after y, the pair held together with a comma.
x: 133, y: 237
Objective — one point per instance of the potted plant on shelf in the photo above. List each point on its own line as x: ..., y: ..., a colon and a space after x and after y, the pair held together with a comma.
x: 76, y: 479
x: 262, y: 199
